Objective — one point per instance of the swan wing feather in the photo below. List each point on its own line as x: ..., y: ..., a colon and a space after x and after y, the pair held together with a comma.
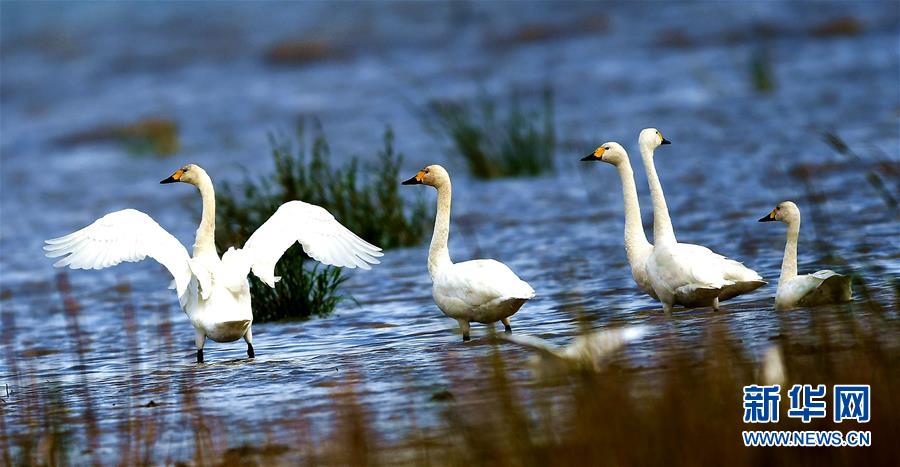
x: 675, y: 267
x: 824, y: 287
x: 323, y: 238
x: 482, y: 281
x: 128, y: 235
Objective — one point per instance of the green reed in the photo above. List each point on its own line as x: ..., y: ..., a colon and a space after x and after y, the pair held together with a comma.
x: 519, y: 140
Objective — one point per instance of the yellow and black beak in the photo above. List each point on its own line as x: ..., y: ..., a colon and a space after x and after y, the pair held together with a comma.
x: 770, y: 217
x: 594, y: 156
x: 175, y: 177
x: 415, y: 180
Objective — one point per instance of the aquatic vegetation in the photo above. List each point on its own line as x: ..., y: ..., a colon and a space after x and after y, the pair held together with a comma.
x: 873, y: 175
x: 845, y: 26
x: 517, y: 141
x: 150, y: 136
x: 761, y: 74
x: 364, y: 198
x: 298, y: 52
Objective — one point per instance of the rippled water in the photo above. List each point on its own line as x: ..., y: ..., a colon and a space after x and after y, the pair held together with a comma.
x: 615, y: 69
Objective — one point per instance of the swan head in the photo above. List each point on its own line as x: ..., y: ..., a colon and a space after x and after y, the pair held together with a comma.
x: 191, y: 173
x: 786, y: 212
x: 433, y: 175
x: 610, y: 152
x: 651, y: 138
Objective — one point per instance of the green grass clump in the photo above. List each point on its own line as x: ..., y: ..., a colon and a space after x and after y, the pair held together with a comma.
x: 514, y: 143
x: 369, y: 205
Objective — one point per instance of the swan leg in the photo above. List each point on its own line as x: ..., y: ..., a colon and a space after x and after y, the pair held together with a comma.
x: 667, y: 308
x: 506, y: 325
x: 464, y: 328
x: 715, y: 304
x: 248, y: 336
x: 200, y: 339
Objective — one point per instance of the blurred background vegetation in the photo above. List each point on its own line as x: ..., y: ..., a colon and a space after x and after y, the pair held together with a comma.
x: 497, y: 137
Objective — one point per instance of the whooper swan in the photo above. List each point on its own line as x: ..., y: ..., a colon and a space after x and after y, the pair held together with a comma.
x: 682, y: 273
x: 484, y: 290
x: 213, y: 291
x: 818, y: 288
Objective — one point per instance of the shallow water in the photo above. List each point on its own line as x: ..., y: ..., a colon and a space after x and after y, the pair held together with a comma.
x: 73, y: 67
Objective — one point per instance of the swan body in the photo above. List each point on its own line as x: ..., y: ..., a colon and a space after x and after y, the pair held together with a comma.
x: 589, y: 352
x: 482, y: 291
x: 680, y: 273
x: 819, y: 288
x: 214, y: 292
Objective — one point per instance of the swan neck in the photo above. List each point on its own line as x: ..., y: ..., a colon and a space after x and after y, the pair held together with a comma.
x: 662, y: 223
x: 205, y: 241
x: 438, y: 253
x: 789, y: 263
x: 635, y: 238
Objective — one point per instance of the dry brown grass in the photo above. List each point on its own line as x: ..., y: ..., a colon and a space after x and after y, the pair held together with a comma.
x: 683, y: 409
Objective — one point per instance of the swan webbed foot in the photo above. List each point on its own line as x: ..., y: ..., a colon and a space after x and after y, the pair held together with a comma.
x: 250, y: 353
x: 465, y: 337
x: 199, y: 355
x: 506, y: 325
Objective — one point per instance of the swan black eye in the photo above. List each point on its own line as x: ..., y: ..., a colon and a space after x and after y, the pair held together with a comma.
x: 606, y: 148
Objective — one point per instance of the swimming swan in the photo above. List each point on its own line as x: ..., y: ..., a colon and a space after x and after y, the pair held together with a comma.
x: 682, y: 273
x: 213, y: 292
x: 818, y: 288
x: 484, y: 290
x: 637, y: 248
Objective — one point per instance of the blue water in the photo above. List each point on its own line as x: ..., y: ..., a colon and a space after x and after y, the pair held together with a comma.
x: 68, y: 68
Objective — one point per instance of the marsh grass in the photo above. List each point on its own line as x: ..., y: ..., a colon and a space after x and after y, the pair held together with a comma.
x: 497, y: 139
x: 364, y: 197
x: 873, y: 177
x: 683, y: 408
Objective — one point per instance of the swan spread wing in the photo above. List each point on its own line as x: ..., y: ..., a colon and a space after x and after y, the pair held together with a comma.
x: 126, y: 235
x: 322, y: 236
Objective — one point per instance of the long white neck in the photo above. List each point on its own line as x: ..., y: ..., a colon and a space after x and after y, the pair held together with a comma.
x: 636, y: 243
x: 662, y: 223
x: 439, y: 254
x: 789, y: 263
x: 205, y: 241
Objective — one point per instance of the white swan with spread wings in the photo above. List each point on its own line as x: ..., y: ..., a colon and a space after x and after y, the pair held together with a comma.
x: 214, y: 292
